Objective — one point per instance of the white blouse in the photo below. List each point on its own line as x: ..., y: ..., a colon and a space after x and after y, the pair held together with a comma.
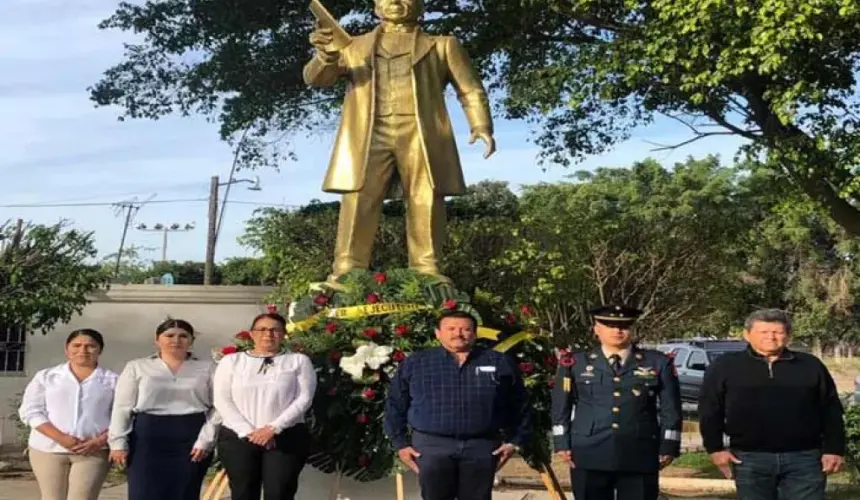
x: 249, y: 396
x: 79, y: 409
x: 147, y: 385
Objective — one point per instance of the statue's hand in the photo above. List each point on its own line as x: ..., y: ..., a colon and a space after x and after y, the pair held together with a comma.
x: 486, y: 136
x: 320, y: 38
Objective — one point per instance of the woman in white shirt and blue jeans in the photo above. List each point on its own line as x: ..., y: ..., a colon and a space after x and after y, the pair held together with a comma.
x: 68, y: 409
x: 262, y: 396
x: 163, y: 425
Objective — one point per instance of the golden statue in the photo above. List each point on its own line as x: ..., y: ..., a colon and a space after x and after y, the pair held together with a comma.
x: 395, y: 134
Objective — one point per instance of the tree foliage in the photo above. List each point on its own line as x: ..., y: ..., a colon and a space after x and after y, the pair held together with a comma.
x: 777, y: 73
x: 45, y: 274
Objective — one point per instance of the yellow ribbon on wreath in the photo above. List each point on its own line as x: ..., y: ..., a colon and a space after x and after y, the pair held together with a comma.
x: 382, y: 308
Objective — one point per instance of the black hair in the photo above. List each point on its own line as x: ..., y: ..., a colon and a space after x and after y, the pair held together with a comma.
x: 456, y: 314
x: 174, y: 323
x: 272, y: 316
x: 89, y: 332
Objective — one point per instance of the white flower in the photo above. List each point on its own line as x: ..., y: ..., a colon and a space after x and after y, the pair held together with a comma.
x: 374, y: 355
x: 291, y: 312
x: 370, y: 355
x: 354, y: 365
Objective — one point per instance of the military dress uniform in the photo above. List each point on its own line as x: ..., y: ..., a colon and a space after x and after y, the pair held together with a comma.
x: 608, y: 417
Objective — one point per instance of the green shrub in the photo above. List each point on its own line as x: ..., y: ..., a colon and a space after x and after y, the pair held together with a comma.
x: 852, y: 430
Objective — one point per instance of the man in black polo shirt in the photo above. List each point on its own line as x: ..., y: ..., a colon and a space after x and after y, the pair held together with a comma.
x: 781, y: 411
x: 467, y: 409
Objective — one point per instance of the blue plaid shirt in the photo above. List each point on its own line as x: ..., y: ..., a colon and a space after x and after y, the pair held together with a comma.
x: 431, y: 393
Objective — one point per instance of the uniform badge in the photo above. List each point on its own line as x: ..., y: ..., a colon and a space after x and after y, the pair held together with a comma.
x: 637, y: 392
x: 592, y: 356
x: 589, y: 372
x: 566, y: 384
x: 644, y: 372
x: 638, y: 356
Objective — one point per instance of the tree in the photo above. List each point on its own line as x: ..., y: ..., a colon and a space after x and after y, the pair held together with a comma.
x: 661, y: 240
x: 45, y: 274
x: 779, y: 74
x: 247, y: 271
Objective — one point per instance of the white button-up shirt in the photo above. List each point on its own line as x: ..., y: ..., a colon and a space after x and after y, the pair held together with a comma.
x: 80, y: 409
x: 250, y: 395
x: 148, y: 386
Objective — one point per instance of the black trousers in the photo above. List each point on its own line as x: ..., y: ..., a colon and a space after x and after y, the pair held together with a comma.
x: 455, y: 469
x: 159, y: 458
x: 603, y: 485
x: 251, y: 468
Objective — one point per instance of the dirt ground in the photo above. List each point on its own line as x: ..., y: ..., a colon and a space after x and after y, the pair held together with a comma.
x: 844, y: 372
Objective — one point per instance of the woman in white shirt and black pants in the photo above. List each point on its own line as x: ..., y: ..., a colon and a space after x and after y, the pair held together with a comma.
x: 262, y: 396
x: 68, y: 409
x: 164, y: 425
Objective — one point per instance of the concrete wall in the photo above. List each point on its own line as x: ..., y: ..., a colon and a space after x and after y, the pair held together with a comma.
x: 127, y: 316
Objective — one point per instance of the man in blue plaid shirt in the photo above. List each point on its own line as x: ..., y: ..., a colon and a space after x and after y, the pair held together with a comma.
x: 467, y: 410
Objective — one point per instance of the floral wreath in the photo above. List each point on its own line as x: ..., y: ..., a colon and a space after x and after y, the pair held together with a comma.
x: 358, y: 335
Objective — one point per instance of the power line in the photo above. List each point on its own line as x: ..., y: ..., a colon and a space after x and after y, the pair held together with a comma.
x: 91, y: 204
x: 113, y: 203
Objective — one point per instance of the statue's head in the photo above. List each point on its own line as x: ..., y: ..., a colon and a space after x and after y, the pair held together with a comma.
x: 399, y: 11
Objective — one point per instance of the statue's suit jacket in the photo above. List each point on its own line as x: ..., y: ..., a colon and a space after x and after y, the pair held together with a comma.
x: 436, y: 61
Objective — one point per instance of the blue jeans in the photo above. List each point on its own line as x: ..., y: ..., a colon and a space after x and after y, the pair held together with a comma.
x: 780, y: 476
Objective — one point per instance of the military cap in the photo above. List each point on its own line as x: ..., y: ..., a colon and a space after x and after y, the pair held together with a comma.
x: 615, y: 313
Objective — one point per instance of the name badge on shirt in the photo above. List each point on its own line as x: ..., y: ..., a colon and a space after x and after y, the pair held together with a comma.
x: 485, y: 369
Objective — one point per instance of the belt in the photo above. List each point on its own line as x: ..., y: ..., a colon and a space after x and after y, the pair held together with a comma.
x: 461, y: 437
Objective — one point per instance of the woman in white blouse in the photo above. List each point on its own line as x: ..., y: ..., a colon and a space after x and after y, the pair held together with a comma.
x: 163, y: 425
x: 68, y: 409
x: 262, y: 396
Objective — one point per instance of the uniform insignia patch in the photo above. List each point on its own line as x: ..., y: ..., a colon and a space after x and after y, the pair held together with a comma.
x: 566, y: 384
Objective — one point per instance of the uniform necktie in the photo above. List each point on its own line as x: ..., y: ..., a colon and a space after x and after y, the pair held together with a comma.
x: 615, y: 362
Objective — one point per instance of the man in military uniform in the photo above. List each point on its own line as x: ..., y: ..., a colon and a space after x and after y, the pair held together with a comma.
x: 605, y: 412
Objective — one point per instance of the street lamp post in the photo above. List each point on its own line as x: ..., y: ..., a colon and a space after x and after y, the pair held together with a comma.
x: 215, y: 219
x: 165, y: 229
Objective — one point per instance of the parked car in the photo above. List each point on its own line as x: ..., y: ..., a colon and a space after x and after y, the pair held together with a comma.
x: 692, y: 358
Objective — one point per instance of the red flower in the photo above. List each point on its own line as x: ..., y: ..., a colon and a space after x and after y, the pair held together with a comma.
x: 510, y: 319
x: 363, y: 461
x: 526, y: 310
x: 368, y: 394
x: 334, y: 355
x: 320, y: 300
x: 362, y: 418
x: 298, y: 347
x: 373, y: 298
x: 550, y: 383
x: 271, y: 308
x: 401, y: 330
x: 243, y: 335
x: 527, y: 368
x: 370, y: 333
x: 229, y: 349
x: 330, y: 327
x: 449, y: 304
x: 398, y: 356
x: 380, y: 278
x: 551, y: 361
x: 332, y: 391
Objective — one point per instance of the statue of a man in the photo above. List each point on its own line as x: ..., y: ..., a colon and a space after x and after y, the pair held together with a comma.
x: 395, y: 133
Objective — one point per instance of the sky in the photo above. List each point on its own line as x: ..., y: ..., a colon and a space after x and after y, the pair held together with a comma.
x: 57, y: 148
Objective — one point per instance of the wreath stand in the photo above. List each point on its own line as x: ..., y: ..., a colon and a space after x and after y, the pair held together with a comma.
x: 547, y: 476
x: 219, y: 483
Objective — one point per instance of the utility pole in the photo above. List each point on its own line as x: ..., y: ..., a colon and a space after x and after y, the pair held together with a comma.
x: 211, y: 237
x: 215, y: 219
x: 165, y: 229
x: 130, y: 209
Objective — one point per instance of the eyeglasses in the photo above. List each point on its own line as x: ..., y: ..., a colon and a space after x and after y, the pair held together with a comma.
x: 276, y: 331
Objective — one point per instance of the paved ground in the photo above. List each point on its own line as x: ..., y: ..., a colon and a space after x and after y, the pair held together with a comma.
x: 26, y: 490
